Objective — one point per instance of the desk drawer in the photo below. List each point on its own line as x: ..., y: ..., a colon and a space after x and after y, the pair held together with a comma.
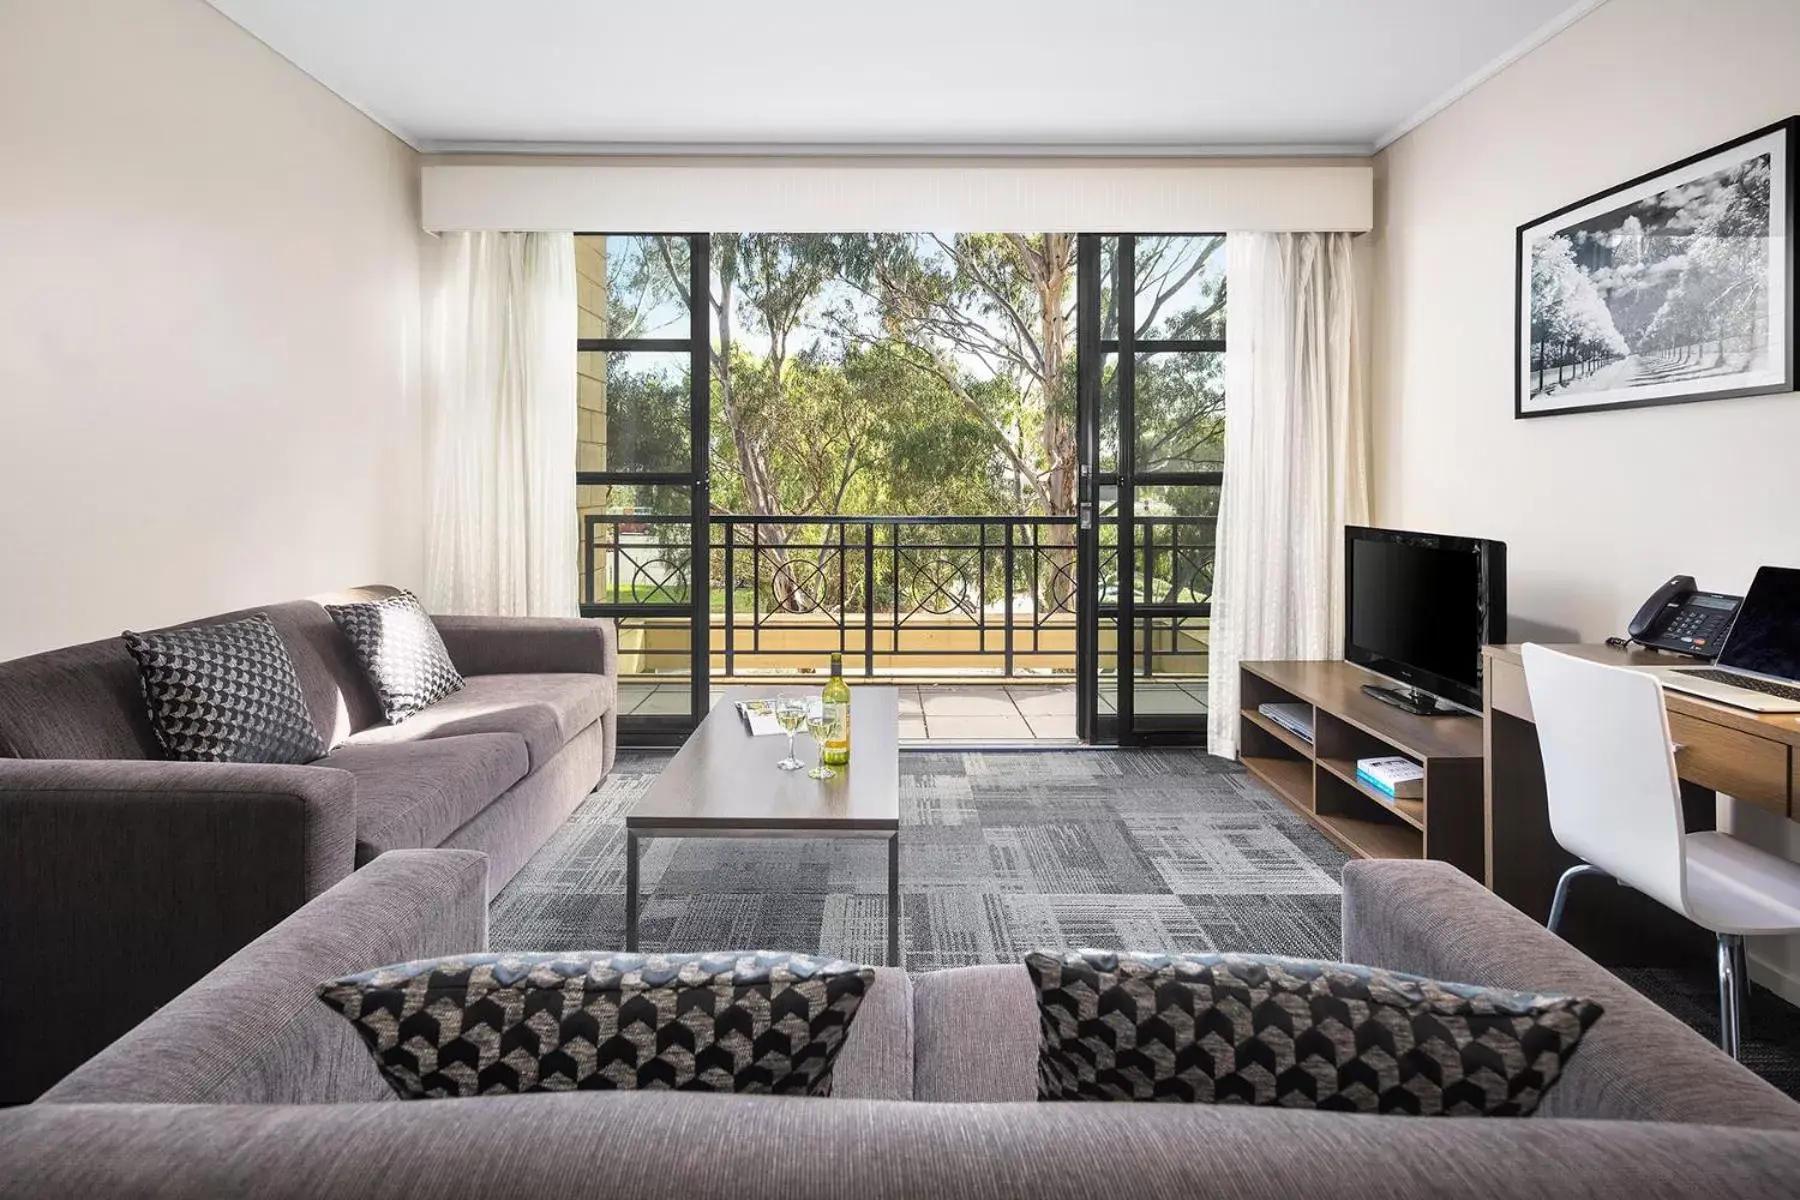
x: 1753, y: 769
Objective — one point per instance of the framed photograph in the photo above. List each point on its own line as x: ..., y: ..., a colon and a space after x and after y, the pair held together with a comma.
x: 1677, y: 286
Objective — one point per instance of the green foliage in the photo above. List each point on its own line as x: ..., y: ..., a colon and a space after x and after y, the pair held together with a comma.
x: 904, y: 373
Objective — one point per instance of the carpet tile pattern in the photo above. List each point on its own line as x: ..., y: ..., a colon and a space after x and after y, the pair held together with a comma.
x: 1000, y: 853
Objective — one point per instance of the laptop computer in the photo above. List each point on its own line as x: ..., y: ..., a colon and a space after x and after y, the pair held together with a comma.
x: 1759, y: 666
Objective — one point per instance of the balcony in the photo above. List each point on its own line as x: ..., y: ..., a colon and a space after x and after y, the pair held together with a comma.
x: 973, y: 617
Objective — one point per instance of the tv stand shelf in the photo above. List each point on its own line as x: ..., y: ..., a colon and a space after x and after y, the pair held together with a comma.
x: 1319, y: 779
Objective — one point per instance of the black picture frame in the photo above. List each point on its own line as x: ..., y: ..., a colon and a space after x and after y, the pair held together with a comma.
x: 1655, y: 367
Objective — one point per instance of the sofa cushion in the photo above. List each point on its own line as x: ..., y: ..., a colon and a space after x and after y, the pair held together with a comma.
x: 1293, y: 1033
x: 224, y: 693
x: 488, y: 1024
x: 546, y: 710
x: 402, y: 652
x: 413, y: 795
x: 85, y: 701
x: 975, y: 1035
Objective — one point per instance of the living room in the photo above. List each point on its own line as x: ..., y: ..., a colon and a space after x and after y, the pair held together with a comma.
x: 505, y: 504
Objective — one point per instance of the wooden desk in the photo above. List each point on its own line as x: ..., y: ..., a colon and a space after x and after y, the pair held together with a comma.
x: 1752, y: 757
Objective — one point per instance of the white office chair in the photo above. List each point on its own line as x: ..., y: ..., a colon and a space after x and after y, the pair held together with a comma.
x: 1609, y: 773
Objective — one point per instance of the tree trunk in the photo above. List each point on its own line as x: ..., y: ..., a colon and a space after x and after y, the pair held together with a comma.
x: 760, y: 493
x: 1050, y: 273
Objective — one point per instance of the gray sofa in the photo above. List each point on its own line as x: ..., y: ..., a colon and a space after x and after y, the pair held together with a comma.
x: 112, y: 858
x: 246, y: 1084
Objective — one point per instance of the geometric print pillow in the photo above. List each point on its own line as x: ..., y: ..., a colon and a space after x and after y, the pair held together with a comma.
x: 225, y: 693
x: 499, y: 1024
x: 1293, y: 1033
x: 402, y: 652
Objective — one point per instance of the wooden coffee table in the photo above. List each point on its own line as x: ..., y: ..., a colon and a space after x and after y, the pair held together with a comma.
x: 724, y: 783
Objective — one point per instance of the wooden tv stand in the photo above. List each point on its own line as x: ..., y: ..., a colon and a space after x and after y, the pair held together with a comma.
x: 1319, y: 780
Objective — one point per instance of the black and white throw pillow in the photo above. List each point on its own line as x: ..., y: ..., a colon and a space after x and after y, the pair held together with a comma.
x: 1293, y: 1033
x: 225, y: 693
x: 401, y: 650
x: 495, y: 1024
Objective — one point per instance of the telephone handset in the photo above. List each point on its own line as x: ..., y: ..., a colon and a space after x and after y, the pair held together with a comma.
x: 1680, y: 617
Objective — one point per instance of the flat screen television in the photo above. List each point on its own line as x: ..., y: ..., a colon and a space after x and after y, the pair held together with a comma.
x: 1418, y: 607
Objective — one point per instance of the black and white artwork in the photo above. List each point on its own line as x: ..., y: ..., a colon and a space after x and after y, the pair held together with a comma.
x: 1671, y: 288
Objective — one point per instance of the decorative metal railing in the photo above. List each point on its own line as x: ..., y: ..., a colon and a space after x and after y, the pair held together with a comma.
x: 883, y: 590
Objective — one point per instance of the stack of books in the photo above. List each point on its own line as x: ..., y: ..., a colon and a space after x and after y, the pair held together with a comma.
x: 1297, y: 719
x: 1401, y: 778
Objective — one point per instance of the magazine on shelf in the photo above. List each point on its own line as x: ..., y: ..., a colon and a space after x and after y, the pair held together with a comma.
x: 759, y: 717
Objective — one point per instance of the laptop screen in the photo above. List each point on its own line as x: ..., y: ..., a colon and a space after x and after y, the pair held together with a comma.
x: 1766, y: 636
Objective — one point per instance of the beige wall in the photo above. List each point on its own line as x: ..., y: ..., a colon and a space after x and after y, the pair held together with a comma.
x: 1596, y: 509
x: 208, y: 325
x: 1592, y: 508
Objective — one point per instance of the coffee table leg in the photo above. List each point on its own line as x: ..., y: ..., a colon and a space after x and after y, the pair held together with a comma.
x: 631, y: 891
x: 893, y: 913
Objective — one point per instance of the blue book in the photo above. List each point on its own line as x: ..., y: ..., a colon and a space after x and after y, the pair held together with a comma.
x: 1386, y: 789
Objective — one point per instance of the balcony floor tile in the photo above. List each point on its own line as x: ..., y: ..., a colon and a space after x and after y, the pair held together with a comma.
x: 977, y: 729
x: 966, y: 702
x: 1054, y: 701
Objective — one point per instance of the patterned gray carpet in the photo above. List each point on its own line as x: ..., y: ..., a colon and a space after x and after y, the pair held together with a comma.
x: 1000, y: 853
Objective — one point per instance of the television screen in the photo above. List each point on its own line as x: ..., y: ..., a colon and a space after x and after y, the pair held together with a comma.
x: 1420, y: 606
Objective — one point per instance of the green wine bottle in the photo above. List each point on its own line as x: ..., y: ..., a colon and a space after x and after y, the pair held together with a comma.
x: 836, y: 698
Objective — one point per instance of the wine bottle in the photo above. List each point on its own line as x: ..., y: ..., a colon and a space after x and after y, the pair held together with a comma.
x: 836, y: 698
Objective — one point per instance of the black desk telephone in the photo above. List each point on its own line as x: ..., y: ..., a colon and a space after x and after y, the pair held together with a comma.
x: 1681, y: 618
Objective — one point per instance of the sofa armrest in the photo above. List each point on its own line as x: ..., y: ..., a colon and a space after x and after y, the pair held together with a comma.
x: 1428, y: 918
x: 150, y: 874
x: 530, y: 645
x: 254, y: 1031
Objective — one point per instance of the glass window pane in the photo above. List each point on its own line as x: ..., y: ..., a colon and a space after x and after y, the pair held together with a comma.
x: 655, y: 665
x: 1109, y: 544
x: 632, y: 287
x: 1180, y: 287
x: 1171, y: 666
x: 1108, y: 414
x: 1107, y: 649
x: 1177, y: 530
x: 636, y: 544
x: 1179, y: 401
x: 635, y: 411
x: 1109, y: 288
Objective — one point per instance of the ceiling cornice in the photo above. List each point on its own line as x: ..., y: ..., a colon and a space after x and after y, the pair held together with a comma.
x: 887, y: 150
x: 1538, y: 37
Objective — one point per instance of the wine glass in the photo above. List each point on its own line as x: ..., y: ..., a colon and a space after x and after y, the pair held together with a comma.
x: 790, y: 714
x: 820, y: 726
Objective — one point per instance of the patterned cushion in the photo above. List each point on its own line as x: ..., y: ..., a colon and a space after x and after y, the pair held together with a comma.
x: 225, y: 693
x: 1243, y: 1029
x: 493, y: 1024
x: 402, y: 652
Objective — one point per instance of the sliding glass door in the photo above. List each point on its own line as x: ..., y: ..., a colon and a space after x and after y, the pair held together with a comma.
x: 1150, y: 446
x: 642, y: 474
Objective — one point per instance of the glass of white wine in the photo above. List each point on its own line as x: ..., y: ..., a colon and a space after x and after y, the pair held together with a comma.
x: 790, y: 714
x: 819, y: 725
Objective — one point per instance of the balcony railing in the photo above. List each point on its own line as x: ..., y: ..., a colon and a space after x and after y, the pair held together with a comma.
x: 950, y: 594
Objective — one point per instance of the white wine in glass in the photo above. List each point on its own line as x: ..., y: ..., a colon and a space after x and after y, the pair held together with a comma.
x: 790, y: 714
x: 819, y: 724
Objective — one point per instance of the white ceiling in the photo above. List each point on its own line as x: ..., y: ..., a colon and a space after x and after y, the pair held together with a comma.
x: 941, y: 75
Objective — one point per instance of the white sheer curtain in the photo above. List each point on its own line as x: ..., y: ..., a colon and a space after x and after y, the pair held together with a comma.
x: 501, y: 427
x: 1296, y: 459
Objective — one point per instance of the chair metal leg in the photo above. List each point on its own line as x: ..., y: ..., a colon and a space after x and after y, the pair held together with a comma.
x: 1561, y: 898
x: 1734, y: 981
